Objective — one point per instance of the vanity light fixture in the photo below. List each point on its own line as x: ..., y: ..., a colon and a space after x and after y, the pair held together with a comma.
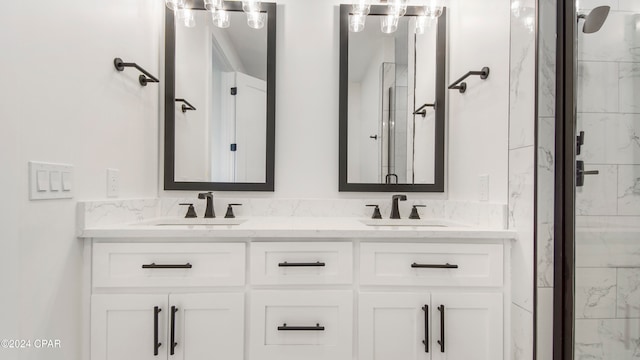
x: 397, y: 9
x: 256, y: 19
x: 175, y: 4
x: 221, y: 19
x: 358, y: 16
x: 187, y: 17
x: 213, y: 5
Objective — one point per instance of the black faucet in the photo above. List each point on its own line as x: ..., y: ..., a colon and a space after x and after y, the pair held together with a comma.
x: 208, y: 213
x: 395, y: 212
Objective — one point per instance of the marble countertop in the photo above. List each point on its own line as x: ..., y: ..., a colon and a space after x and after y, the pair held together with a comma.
x: 295, y: 227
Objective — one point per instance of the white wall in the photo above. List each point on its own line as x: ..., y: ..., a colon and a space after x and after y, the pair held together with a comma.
x: 63, y: 101
x: 307, y: 101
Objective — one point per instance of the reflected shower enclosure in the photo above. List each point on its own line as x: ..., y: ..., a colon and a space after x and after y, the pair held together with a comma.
x: 391, y: 77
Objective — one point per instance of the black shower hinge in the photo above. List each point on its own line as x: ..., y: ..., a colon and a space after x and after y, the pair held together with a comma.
x: 234, y: 147
x: 234, y: 91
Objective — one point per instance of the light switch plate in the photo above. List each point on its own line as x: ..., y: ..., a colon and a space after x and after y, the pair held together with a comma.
x: 45, y: 181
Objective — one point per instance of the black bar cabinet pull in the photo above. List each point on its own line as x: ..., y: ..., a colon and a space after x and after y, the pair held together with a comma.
x: 173, y: 344
x: 426, y: 328
x: 288, y: 264
x: 434, y: 266
x: 284, y: 327
x: 156, y: 266
x: 143, y: 79
x: 462, y: 87
x: 156, y: 344
x: 441, y: 341
x: 186, y: 106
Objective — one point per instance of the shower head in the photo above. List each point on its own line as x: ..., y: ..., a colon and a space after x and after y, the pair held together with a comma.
x: 595, y: 19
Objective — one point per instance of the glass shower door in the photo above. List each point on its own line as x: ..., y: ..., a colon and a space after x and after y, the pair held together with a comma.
x: 607, y: 208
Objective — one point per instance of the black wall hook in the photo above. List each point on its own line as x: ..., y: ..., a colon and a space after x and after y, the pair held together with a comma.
x: 186, y: 106
x: 462, y: 86
x: 144, y: 79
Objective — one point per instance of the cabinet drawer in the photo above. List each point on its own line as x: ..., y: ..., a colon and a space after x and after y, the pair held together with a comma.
x: 431, y: 264
x: 301, y: 263
x: 311, y: 325
x: 171, y: 265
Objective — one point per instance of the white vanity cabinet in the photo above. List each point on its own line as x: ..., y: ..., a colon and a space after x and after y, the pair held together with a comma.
x: 456, y: 313
x: 304, y: 298
x: 181, y: 301
x: 135, y: 326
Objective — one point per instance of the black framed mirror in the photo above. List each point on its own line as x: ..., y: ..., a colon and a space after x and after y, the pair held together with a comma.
x: 220, y: 98
x: 393, y: 102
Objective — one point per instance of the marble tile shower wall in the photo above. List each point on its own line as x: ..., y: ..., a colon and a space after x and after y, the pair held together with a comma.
x: 545, y: 176
x: 521, y: 173
x: 607, y: 246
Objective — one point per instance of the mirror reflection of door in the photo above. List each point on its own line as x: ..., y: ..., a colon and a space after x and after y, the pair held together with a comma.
x: 390, y: 76
x: 223, y: 73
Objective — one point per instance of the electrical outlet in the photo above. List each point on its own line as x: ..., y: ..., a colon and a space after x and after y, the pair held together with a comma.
x: 113, y: 182
x: 483, y: 187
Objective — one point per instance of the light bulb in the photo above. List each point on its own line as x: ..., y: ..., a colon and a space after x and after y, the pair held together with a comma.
x: 256, y: 20
x: 213, y: 5
x: 389, y: 23
x: 187, y: 17
x: 221, y: 19
x: 175, y: 4
x: 433, y: 11
x: 356, y: 22
x: 421, y: 24
x: 361, y: 7
x: 398, y: 7
x: 251, y: 6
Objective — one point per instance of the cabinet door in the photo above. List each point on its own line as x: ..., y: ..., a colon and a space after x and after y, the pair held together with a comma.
x: 128, y: 327
x: 206, y: 326
x: 472, y: 323
x: 394, y: 326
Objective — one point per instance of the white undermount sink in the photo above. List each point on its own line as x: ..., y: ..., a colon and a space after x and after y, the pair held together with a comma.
x: 405, y: 222
x: 195, y: 222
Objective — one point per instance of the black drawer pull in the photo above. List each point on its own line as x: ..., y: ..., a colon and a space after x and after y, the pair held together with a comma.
x: 288, y: 264
x: 441, y: 341
x: 156, y: 266
x: 434, y: 266
x: 172, y: 341
x: 156, y: 343
x: 426, y: 328
x: 284, y: 327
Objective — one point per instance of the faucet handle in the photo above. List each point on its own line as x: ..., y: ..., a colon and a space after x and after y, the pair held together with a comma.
x: 376, y: 212
x: 191, y: 211
x: 414, y: 212
x: 229, y: 214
